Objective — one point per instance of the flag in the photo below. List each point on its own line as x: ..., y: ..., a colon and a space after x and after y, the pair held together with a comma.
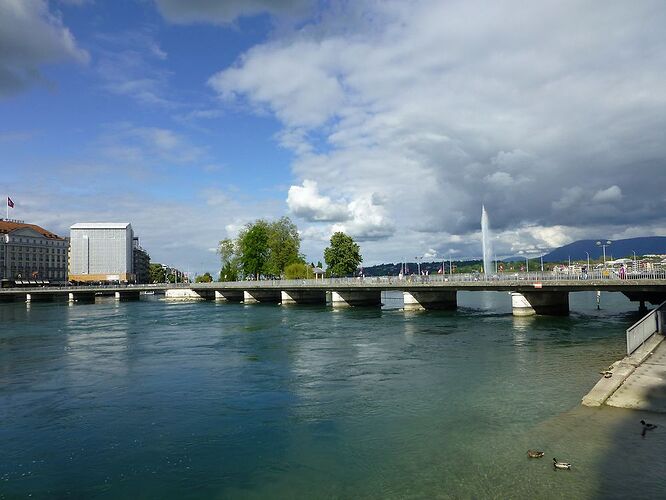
x: 10, y: 203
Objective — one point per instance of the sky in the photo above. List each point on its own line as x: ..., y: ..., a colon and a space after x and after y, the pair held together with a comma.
x: 393, y: 121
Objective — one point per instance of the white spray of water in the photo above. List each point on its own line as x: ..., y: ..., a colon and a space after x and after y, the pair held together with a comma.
x: 487, y: 245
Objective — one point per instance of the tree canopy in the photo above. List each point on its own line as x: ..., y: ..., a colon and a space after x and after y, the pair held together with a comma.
x: 156, y: 273
x: 229, y: 259
x: 204, y: 278
x: 262, y: 248
x: 343, y: 256
x: 284, y: 243
x: 253, y: 248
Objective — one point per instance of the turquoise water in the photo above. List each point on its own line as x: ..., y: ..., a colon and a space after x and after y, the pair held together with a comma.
x: 157, y: 399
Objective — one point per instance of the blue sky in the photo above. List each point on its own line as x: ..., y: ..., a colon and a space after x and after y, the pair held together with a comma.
x: 393, y: 121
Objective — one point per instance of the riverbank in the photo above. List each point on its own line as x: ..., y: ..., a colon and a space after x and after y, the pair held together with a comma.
x: 636, y: 382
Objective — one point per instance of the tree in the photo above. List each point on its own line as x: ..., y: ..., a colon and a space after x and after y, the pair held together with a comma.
x: 284, y: 244
x: 156, y: 273
x: 204, y: 278
x: 298, y: 270
x: 253, y: 248
x: 229, y: 259
x: 343, y: 256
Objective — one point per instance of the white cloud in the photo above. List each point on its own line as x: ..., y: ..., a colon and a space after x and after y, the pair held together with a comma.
x: 225, y: 12
x: 305, y: 201
x: 368, y: 221
x: 610, y: 195
x: 442, y: 106
x: 32, y: 36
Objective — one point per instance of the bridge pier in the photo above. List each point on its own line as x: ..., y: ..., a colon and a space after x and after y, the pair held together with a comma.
x: 229, y: 295
x: 269, y: 295
x: 39, y: 297
x: 80, y: 297
x: 303, y: 297
x: 654, y: 298
x: 422, y: 300
x: 188, y: 294
x: 540, y: 303
x: 126, y: 295
x: 346, y: 298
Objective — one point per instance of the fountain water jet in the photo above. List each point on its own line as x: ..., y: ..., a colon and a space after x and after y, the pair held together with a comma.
x: 485, y: 240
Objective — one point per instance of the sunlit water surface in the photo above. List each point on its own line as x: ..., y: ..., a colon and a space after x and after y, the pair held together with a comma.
x: 156, y: 399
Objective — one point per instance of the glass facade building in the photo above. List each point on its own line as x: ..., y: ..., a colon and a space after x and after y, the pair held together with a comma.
x: 101, y: 251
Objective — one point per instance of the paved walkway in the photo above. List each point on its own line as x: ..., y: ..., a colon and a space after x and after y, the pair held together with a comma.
x: 638, y: 381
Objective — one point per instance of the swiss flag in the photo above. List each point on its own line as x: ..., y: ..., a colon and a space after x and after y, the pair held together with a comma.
x: 10, y: 203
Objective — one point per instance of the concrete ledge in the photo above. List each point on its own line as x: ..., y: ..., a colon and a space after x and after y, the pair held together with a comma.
x: 621, y: 370
x: 182, y: 294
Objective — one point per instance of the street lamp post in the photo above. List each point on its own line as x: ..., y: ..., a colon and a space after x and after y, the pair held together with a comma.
x: 588, y: 261
x: 603, y: 245
x: 418, y: 263
x: 634, y: 269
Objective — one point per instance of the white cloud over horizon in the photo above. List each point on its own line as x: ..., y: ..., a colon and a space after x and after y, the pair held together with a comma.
x: 439, y: 107
x: 392, y: 121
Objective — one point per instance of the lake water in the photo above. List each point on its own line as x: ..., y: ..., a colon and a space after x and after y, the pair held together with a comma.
x: 157, y: 399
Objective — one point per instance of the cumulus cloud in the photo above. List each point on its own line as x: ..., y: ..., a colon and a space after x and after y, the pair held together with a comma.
x: 225, y: 12
x: 306, y: 202
x: 30, y: 37
x: 442, y: 106
x: 610, y: 195
x: 368, y: 221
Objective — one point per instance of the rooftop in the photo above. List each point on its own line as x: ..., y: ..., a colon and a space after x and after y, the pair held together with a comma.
x: 100, y: 225
x: 7, y: 226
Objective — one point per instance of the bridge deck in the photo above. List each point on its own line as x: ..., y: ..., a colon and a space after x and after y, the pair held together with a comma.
x: 521, y: 285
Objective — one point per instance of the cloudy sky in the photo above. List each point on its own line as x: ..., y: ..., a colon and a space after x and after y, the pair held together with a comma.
x: 393, y: 121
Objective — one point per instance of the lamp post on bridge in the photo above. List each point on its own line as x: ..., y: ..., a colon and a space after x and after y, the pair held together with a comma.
x: 588, y: 261
x: 603, y: 245
x: 418, y: 263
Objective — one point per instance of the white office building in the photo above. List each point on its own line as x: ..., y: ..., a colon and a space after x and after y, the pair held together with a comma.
x: 101, y: 251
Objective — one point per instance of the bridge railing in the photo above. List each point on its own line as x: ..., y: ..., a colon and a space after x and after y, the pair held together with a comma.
x: 644, y: 328
x: 606, y: 276
x: 538, y: 276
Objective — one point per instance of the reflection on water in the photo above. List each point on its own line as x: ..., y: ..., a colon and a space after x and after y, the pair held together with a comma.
x: 203, y: 400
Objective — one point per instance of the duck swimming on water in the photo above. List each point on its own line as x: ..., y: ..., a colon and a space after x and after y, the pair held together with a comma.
x: 648, y: 426
x: 535, y: 453
x: 561, y: 465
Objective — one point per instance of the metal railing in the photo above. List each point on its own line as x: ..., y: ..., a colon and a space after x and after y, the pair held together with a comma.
x: 644, y: 328
x: 602, y: 276
x: 539, y: 276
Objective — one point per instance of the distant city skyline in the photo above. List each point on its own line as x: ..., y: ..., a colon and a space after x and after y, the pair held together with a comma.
x: 392, y: 121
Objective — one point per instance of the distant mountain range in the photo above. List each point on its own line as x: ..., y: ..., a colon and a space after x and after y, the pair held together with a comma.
x: 576, y: 251
x: 617, y: 249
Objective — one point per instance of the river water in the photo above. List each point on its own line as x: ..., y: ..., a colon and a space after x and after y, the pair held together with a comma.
x: 157, y: 399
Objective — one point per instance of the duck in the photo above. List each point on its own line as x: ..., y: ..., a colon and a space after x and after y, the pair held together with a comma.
x: 607, y: 373
x: 648, y: 426
x: 535, y: 453
x: 561, y: 465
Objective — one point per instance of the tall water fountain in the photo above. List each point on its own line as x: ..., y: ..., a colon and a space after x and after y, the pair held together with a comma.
x: 487, y: 245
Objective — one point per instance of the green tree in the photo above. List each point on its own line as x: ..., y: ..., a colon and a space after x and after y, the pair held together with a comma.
x: 253, y: 248
x: 284, y: 244
x: 298, y: 270
x: 156, y: 273
x: 204, y: 278
x: 343, y: 256
x: 229, y: 259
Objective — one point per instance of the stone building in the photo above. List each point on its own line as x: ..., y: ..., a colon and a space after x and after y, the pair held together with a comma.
x: 31, y: 253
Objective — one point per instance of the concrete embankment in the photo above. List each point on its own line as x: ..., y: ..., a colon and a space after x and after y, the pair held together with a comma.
x: 637, y: 381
